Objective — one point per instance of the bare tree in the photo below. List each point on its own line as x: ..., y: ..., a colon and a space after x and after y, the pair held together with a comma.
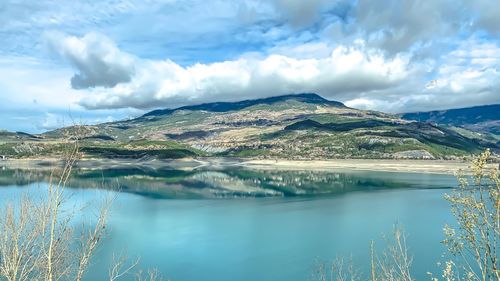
x: 121, y: 266
x: 37, y: 237
x: 19, y: 249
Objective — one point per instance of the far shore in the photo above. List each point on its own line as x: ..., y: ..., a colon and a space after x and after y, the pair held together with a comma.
x: 381, y: 165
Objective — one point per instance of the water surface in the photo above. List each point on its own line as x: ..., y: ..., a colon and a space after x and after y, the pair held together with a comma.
x: 239, y: 224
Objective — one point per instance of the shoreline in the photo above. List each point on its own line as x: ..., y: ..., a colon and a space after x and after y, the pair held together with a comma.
x: 377, y: 165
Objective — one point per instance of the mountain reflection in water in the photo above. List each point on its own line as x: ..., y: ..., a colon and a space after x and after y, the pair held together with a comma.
x: 168, y: 183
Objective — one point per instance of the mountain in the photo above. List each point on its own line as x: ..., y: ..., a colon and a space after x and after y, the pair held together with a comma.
x: 239, y: 105
x: 484, y: 118
x: 303, y: 126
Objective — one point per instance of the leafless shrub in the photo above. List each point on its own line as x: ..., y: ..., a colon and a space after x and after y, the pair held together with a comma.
x: 394, y: 264
x: 150, y: 275
x: 474, y: 242
x: 338, y: 270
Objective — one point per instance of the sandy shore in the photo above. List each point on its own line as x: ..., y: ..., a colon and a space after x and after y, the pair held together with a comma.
x: 386, y: 165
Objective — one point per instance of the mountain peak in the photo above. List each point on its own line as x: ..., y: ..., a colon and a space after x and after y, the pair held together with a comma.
x: 310, y: 98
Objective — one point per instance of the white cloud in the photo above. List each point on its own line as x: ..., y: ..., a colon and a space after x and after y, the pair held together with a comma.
x: 469, y: 75
x: 163, y: 83
x: 362, y: 103
x: 98, y: 61
x: 358, y: 75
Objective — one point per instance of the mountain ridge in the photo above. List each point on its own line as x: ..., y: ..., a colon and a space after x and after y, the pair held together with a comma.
x: 482, y: 118
x: 302, y: 126
x: 238, y: 105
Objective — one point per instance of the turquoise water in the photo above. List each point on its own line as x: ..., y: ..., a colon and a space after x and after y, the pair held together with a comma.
x: 286, y: 222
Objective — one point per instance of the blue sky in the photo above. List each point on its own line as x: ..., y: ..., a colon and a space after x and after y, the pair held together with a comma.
x: 95, y: 61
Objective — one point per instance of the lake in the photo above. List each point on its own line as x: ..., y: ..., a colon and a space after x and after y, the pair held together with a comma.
x: 238, y: 224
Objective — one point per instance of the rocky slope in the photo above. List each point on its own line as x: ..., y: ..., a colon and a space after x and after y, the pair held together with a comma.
x: 304, y: 126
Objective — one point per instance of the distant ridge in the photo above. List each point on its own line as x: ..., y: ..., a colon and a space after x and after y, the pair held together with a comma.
x: 19, y: 135
x: 231, y: 106
x: 459, y: 116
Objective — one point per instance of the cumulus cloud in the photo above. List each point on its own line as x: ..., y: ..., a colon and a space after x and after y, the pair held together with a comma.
x: 155, y: 83
x: 468, y: 75
x: 96, y: 58
x: 361, y: 76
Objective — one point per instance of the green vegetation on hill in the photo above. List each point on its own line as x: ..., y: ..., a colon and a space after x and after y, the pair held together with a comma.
x: 304, y: 126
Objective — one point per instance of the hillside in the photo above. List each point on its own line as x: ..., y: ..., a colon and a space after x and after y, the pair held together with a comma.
x: 304, y: 126
x: 484, y: 118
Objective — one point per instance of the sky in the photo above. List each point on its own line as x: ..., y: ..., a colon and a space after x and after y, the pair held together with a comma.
x: 94, y: 61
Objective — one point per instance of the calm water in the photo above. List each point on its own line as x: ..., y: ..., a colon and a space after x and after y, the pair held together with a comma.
x: 249, y: 225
